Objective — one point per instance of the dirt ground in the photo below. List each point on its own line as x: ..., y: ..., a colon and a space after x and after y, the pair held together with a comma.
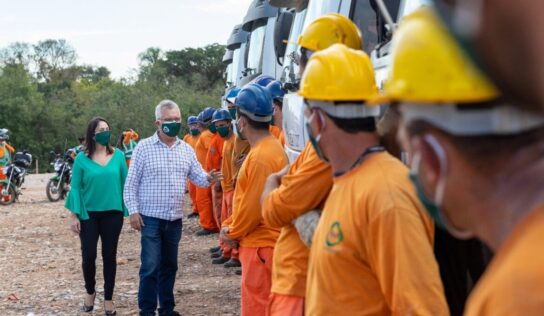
x: 40, y: 264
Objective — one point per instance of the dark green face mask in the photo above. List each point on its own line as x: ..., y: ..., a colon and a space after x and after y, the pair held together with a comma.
x: 212, y: 128
x: 432, y: 209
x: 171, y: 128
x: 232, y: 112
x: 195, y: 132
x: 223, y: 131
x: 103, y: 138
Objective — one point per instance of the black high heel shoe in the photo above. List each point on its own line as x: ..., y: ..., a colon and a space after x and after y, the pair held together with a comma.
x: 109, y: 313
x: 89, y: 308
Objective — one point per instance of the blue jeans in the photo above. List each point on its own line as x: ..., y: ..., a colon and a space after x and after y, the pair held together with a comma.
x: 159, y: 257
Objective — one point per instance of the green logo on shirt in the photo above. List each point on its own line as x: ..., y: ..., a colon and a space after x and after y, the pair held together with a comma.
x: 335, y: 235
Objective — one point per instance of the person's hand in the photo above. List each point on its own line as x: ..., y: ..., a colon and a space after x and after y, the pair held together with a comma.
x: 282, y: 172
x: 217, y: 187
x: 75, y: 225
x: 215, y: 176
x: 136, y: 221
x: 226, y: 239
x: 272, y: 182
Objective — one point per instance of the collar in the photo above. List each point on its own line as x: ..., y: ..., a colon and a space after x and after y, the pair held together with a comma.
x: 156, y: 139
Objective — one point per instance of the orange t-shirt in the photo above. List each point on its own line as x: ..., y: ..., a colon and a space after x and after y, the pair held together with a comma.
x: 241, y: 147
x: 372, y: 252
x: 514, y: 281
x: 278, y: 133
x: 246, y: 222
x: 215, y: 153
x: 226, y: 165
x: 191, y: 140
x: 304, y: 187
x: 202, y: 146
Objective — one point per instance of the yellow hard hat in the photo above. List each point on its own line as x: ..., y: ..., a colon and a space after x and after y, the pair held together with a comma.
x: 339, y: 73
x: 429, y: 67
x: 331, y: 29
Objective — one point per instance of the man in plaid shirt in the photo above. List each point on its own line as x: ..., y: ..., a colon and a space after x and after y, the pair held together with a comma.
x: 154, y: 193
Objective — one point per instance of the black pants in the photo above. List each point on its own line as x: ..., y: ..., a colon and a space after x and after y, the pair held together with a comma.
x: 108, y: 226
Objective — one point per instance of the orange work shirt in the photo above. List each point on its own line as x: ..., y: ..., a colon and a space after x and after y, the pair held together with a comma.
x: 191, y: 140
x: 372, y: 252
x: 278, y: 133
x: 241, y: 148
x: 226, y: 165
x: 513, y: 283
x: 202, y: 146
x: 304, y: 187
x: 215, y: 153
x: 246, y: 222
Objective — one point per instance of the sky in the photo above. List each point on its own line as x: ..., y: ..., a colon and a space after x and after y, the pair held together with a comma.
x: 112, y: 33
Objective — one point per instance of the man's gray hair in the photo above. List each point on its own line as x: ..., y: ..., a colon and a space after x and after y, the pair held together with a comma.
x: 164, y: 104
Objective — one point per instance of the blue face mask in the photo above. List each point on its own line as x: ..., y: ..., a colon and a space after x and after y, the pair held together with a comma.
x: 315, y: 140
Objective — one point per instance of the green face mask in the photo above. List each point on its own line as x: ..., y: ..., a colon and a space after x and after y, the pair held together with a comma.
x: 171, y: 129
x: 232, y: 112
x: 432, y: 209
x: 212, y: 128
x: 195, y: 132
x: 223, y: 131
x: 103, y: 138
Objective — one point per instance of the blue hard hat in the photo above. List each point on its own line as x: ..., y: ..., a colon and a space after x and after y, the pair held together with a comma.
x: 221, y: 115
x: 256, y: 102
x: 263, y: 80
x: 276, y: 90
x: 199, y: 117
x: 192, y: 120
x: 232, y: 94
x: 207, y: 114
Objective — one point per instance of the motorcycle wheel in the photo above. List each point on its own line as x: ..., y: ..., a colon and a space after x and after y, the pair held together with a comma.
x: 51, y: 190
x: 10, y: 198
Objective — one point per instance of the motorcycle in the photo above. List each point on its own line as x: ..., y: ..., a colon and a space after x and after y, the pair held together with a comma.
x: 59, y: 185
x: 15, y: 171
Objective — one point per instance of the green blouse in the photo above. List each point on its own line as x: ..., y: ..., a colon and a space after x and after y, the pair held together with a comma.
x: 95, y: 187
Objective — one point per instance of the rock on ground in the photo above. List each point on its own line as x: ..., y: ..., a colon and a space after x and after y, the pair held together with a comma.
x: 40, y: 264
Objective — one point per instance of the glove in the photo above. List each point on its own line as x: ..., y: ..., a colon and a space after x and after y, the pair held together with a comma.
x: 306, y: 224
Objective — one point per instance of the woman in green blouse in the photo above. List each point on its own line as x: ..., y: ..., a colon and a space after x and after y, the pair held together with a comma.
x: 97, y: 209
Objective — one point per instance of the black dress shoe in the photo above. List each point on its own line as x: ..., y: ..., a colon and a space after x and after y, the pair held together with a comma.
x: 215, y: 249
x: 88, y: 308
x: 220, y: 260
x: 204, y: 232
x: 217, y: 254
x: 232, y: 263
x: 175, y: 313
x: 192, y: 215
x: 238, y: 272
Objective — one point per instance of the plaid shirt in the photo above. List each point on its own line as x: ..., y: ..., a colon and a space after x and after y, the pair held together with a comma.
x: 157, y: 178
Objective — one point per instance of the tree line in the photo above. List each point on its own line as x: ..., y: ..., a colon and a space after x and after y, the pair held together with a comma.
x: 47, y: 97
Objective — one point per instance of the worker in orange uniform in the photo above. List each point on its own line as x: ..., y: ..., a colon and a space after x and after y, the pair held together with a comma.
x: 204, y: 195
x: 213, y: 162
x: 304, y: 187
x: 192, y: 138
x: 372, y: 252
x: 5, y: 157
x: 277, y: 93
x: 223, y: 124
x: 130, y: 140
x: 246, y: 226
x: 457, y: 126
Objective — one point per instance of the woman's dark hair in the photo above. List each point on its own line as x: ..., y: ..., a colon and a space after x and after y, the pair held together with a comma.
x: 90, y: 143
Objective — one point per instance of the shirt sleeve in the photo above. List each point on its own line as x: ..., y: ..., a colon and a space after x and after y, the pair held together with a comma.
x: 133, y: 179
x: 197, y: 175
x: 301, y: 190
x: 247, y: 215
x: 74, y: 202
x: 401, y: 254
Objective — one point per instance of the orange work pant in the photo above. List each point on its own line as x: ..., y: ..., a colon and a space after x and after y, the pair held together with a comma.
x: 256, y: 279
x: 205, y: 209
x: 285, y: 305
x: 217, y: 200
x: 192, y: 195
x: 226, y: 212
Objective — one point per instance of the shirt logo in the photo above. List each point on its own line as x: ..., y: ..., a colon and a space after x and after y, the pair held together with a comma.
x: 335, y: 235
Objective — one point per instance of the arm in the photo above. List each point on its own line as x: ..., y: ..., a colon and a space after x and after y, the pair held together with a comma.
x: 74, y: 202
x: 246, y: 214
x: 303, y: 188
x: 123, y: 171
x: 133, y: 179
x: 197, y: 175
x: 10, y: 149
x: 401, y: 254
